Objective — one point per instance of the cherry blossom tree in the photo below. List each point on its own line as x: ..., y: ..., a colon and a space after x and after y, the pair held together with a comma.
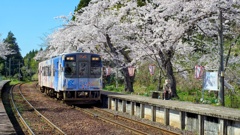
x: 97, y: 28
x: 167, y: 29
x: 5, y: 50
x: 103, y: 29
x: 173, y: 33
x: 159, y: 32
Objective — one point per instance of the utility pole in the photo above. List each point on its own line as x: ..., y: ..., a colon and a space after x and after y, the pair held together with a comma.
x: 221, y: 66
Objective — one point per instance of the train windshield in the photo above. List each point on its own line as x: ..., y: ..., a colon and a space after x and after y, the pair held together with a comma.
x: 96, y: 67
x: 83, y: 69
x: 70, y: 66
x: 83, y: 66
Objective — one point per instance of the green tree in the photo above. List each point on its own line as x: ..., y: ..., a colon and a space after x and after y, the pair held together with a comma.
x: 3, y: 70
x: 141, y: 3
x: 13, y: 61
x: 81, y: 4
x: 31, y: 65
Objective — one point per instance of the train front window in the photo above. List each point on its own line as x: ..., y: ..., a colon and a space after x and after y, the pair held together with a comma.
x: 83, y: 69
x: 70, y: 66
x: 96, y: 71
x: 96, y: 67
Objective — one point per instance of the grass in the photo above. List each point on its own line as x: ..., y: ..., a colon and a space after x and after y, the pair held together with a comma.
x: 16, y: 81
x: 13, y: 82
x: 19, y: 103
x: 113, y: 88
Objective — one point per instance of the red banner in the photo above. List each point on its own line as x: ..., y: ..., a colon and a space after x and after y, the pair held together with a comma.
x: 131, y: 71
x: 108, y: 71
x: 151, y: 69
x: 199, y: 70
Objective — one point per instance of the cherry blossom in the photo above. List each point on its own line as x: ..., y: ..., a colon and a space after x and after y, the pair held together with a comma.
x: 5, y: 50
x: 174, y: 34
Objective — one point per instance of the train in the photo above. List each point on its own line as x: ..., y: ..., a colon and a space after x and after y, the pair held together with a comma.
x: 75, y: 78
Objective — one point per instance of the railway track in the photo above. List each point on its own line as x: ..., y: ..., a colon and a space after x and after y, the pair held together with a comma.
x: 32, y: 120
x: 145, y: 125
x: 71, y: 119
x: 135, y: 127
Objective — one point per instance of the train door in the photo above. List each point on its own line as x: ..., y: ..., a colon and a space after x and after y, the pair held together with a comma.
x: 55, y: 74
x: 60, y: 75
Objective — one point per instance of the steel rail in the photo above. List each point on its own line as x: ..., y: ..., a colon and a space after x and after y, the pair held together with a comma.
x: 132, y: 130
x: 134, y: 121
x: 39, y: 114
x: 29, y: 130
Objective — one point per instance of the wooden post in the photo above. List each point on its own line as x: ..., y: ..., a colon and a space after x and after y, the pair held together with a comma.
x: 132, y: 108
x: 182, y: 120
x: 124, y: 105
x: 153, y: 109
x: 109, y: 103
x: 142, y: 107
x: 223, y: 127
x: 116, y: 105
x: 201, y: 124
x: 166, y: 116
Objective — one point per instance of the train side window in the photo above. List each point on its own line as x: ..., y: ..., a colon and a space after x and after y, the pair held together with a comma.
x: 45, y: 71
x: 49, y: 71
x: 54, y: 70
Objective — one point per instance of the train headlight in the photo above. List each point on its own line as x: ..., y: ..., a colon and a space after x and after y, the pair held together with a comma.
x: 95, y: 58
x: 70, y: 58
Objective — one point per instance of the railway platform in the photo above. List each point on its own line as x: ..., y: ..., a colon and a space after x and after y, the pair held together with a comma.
x: 6, y: 127
x: 200, y: 118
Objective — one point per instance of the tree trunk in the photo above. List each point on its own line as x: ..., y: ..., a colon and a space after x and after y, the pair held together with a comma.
x: 128, y: 80
x: 168, y: 68
x: 159, y: 81
x: 170, y: 76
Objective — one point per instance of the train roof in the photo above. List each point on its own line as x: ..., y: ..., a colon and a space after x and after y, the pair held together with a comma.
x: 72, y: 53
x: 62, y: 54
x: 78, y: 53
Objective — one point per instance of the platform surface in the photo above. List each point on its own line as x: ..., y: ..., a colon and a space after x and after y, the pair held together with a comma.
x: 6, y: 127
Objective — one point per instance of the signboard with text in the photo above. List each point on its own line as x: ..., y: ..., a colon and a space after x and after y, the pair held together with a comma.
x: 210, y: 81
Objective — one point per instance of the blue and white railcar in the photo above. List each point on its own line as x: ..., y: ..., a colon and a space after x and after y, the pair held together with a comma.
x: 75, y: 77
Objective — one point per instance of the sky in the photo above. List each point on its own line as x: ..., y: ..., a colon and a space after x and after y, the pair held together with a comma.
x: 32, y: 20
